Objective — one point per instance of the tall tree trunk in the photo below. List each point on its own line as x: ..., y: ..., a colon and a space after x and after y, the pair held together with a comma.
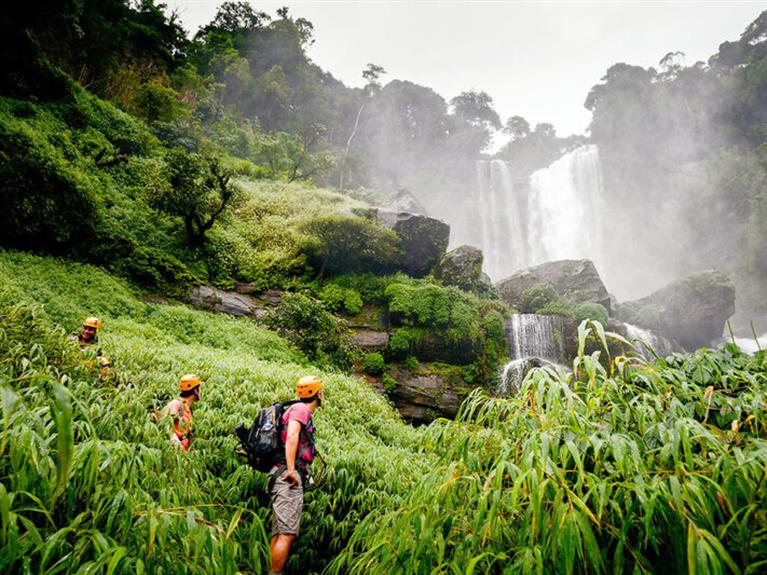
x: 349, y: 145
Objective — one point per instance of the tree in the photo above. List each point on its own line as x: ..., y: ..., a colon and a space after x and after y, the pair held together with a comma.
x: 517, y: 127
x: 476, y: 108
x: 371, y: 73
x: 235, y: 17
x: 198, y: 190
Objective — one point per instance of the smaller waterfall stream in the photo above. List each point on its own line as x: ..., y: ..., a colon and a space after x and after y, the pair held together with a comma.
x: 645, y: 342
x: 534, y: 340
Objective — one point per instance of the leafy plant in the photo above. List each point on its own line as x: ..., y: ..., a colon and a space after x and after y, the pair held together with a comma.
x: 373, y: 363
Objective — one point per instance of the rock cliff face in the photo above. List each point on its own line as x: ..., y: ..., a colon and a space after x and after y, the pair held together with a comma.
x: 692, y: 311
x: 423, y: 240
x: 422, y: 397
x: 574, y: 280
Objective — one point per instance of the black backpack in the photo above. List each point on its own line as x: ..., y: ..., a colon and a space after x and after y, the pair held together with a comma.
x: 261, y: 445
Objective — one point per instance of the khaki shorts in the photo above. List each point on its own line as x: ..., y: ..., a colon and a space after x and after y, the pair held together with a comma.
x: 287, y: 503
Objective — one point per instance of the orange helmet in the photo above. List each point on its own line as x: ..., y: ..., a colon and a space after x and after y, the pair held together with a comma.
x: 188, y: 381
x: 308, y: 386
x: 93, y: 322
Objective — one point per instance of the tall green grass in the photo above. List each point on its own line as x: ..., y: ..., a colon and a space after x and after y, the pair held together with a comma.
x: 647, y: 468
x: 89, y: 483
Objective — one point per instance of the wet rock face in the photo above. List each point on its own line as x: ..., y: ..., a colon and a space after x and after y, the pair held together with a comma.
x: 370, y: 340
x: 423, y: 240
x: 420, y: 398
x: 461, y: 267
x: 691, y: 311
x: 574, y: 280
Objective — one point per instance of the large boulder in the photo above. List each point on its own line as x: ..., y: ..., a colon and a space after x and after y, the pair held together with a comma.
x: 461, y: 267
x: 423, y: 240
x: 574, y: 280
x: 692, y: 311
x: 232, y: 303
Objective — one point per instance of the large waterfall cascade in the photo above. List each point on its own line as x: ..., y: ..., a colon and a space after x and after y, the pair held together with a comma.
x: 500, y: 234
x: 561, y: 218
x: 565, y: 209
x: 532, y: 339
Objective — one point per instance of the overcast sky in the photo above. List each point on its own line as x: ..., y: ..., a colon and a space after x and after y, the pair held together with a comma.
x: 536, y: 59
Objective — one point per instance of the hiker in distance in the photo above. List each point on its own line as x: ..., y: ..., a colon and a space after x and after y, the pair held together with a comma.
x: 289, y: 476
x: 88, y: 341
x: 180, y: 410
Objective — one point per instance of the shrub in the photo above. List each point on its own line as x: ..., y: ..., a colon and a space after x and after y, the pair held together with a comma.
x: 49, y: 202
x: 305, y: 322
x: 411, y: 363
x: 157, y: 270
x: 401, y: 341
x: 389, y: 383
x: 336, y: 297
x: 538, y: 297
x: 590, y: 310
x: 373, y: 364
x: 343, y: 244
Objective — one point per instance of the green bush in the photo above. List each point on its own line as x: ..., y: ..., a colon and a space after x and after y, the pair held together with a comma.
x: 411, y: 363
x: 157, y: 270
x: 538, y: 297
x: 401, y: 341
x: 344, y: 244
x: 590, y: 310
x: 389, y: 383
x: 305, y: 322
x: 373, y: 363
x: 336, y: 298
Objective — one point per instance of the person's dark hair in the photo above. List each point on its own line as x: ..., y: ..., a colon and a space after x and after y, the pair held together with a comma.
x: 190, y: 392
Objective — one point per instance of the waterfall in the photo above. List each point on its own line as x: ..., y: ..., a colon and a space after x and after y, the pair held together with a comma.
x: 500, y: 233
x: 639, y: 336
x: 564, y: 218
x: 751, y: 345
x: 534, y: 340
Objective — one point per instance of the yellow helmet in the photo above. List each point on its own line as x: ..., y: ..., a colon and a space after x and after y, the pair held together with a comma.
x: 308, y: 386
x: 188, y: 381
x: 93, y: 322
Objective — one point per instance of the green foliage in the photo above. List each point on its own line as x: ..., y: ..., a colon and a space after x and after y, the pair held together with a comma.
x: 157, y: 270
x: 401, y: 340
x: 155, y: 102
x: 198, y: 190
x: 71, y: 445
x: 373, y: 363
x: 590, y: 310
x: 432, y: 306
x: 336, y: 298
x: 389, y: 383
x: 319, y: 334
x: 619, y: 470
x: 345, y: 244
x: 411, y: 363
x: 538, y: 297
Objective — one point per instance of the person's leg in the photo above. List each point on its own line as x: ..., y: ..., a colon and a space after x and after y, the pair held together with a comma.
x: 280, y: 547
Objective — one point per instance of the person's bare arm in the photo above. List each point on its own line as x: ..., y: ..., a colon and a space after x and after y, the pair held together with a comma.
x: 291, y: 449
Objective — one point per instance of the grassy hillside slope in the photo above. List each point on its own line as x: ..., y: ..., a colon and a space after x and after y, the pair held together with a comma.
x: 88, y: 480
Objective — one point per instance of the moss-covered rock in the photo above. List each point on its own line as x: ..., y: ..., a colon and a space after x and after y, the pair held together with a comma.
x: 461, y: 267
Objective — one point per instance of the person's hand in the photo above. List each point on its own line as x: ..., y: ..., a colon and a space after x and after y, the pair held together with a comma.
x: 292, y: 476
